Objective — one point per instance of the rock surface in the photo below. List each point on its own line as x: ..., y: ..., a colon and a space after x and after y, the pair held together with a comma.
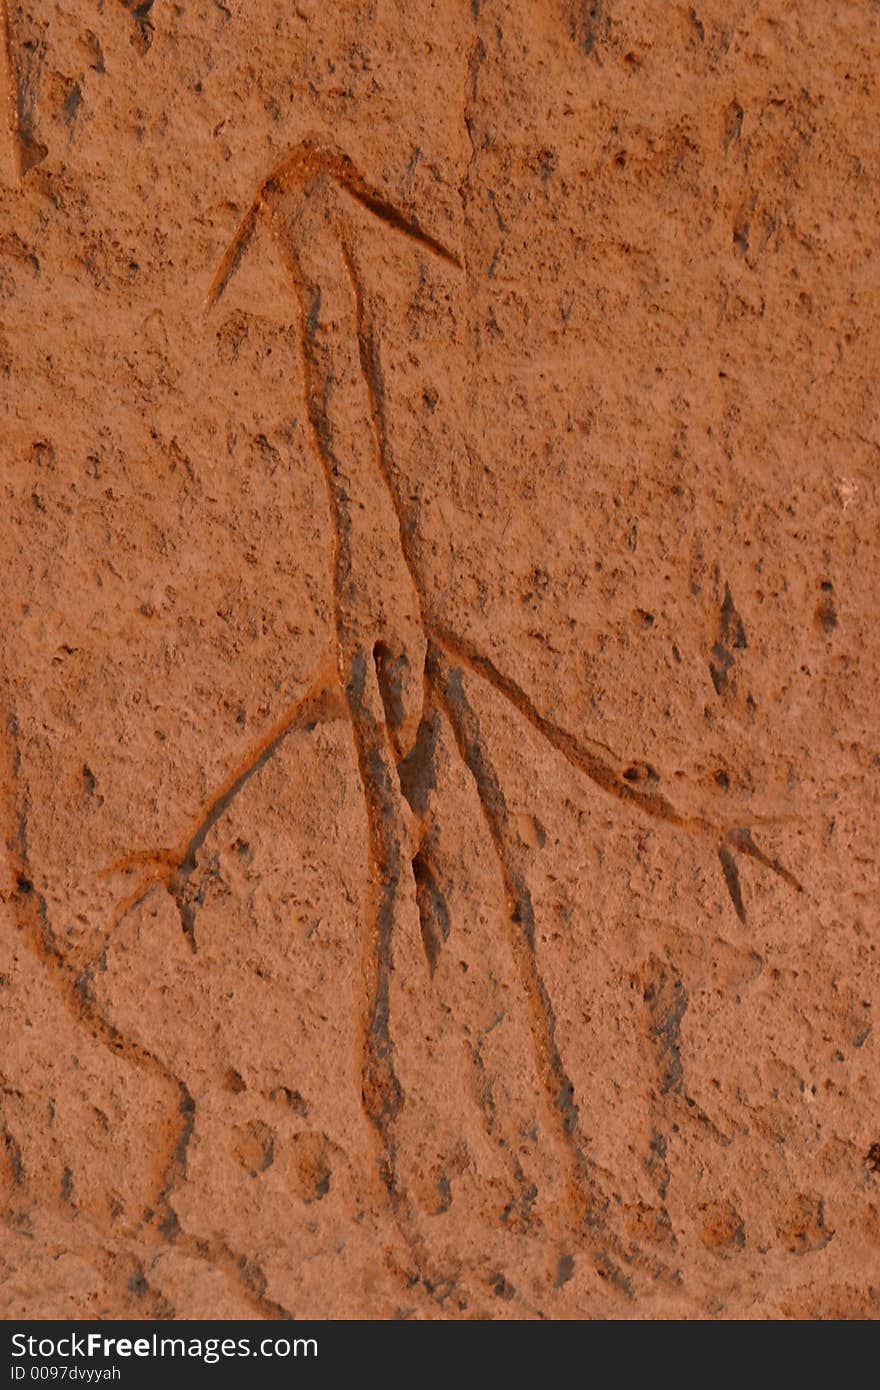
x: 439, y: 754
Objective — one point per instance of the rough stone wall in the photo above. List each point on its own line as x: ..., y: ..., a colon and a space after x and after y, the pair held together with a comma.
x: 439, y: 757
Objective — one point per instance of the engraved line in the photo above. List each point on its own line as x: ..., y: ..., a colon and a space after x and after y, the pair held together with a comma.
x: 590, y: 1207
x: 582, y: 753
x: 174, y: 866
x: 310, y: 158
x: 73, y: 990
x: 381, y: 1092
x: 13, y: 102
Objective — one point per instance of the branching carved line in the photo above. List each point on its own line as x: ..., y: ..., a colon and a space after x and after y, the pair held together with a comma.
x: 174, y: 867
x: 383, y: 1099
x: 586, y: 756
x: 740, y: 837
x: 382, y: 1096
x: 449, y: 691
x: 358, y: 687
x: 74, y: 990
x: 75, y: 993
x: 589, y: 756
x: 311, y: 158
x: 589, y: 1205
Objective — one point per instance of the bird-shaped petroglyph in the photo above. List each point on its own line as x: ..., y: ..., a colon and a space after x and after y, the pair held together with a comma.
x: 397, y: 667
x: 396, y: 671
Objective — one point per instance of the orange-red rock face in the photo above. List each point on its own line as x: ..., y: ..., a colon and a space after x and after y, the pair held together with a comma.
x: 439, y: 762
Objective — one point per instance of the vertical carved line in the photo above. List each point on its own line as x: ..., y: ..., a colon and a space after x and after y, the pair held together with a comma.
x: 588, y: 1204
x: 381, y: 1092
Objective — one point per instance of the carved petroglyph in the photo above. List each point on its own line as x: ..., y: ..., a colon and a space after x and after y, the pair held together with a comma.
x: 21, y: 73
x: 399, y: 675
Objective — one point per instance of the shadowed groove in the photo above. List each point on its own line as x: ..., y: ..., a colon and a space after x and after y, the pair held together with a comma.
x: 174, y: 867
x: 233, y: 257
x: 741, y: 839
x: 731, y: 879
x: 374, y: 379
x: 12, y: 97
x: 381, y: 1092
x: 558, y: 1089
x: 434, y: 917
x: 587, y: 755
x: 310, y: 158
x: 518, y: 1213
x: 74, y: 989
x: 26, y: 150
x: 74, y: 992
x: 588, y: 1203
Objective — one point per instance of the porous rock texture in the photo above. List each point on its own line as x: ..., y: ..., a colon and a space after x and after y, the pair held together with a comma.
x: 439, y: 729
